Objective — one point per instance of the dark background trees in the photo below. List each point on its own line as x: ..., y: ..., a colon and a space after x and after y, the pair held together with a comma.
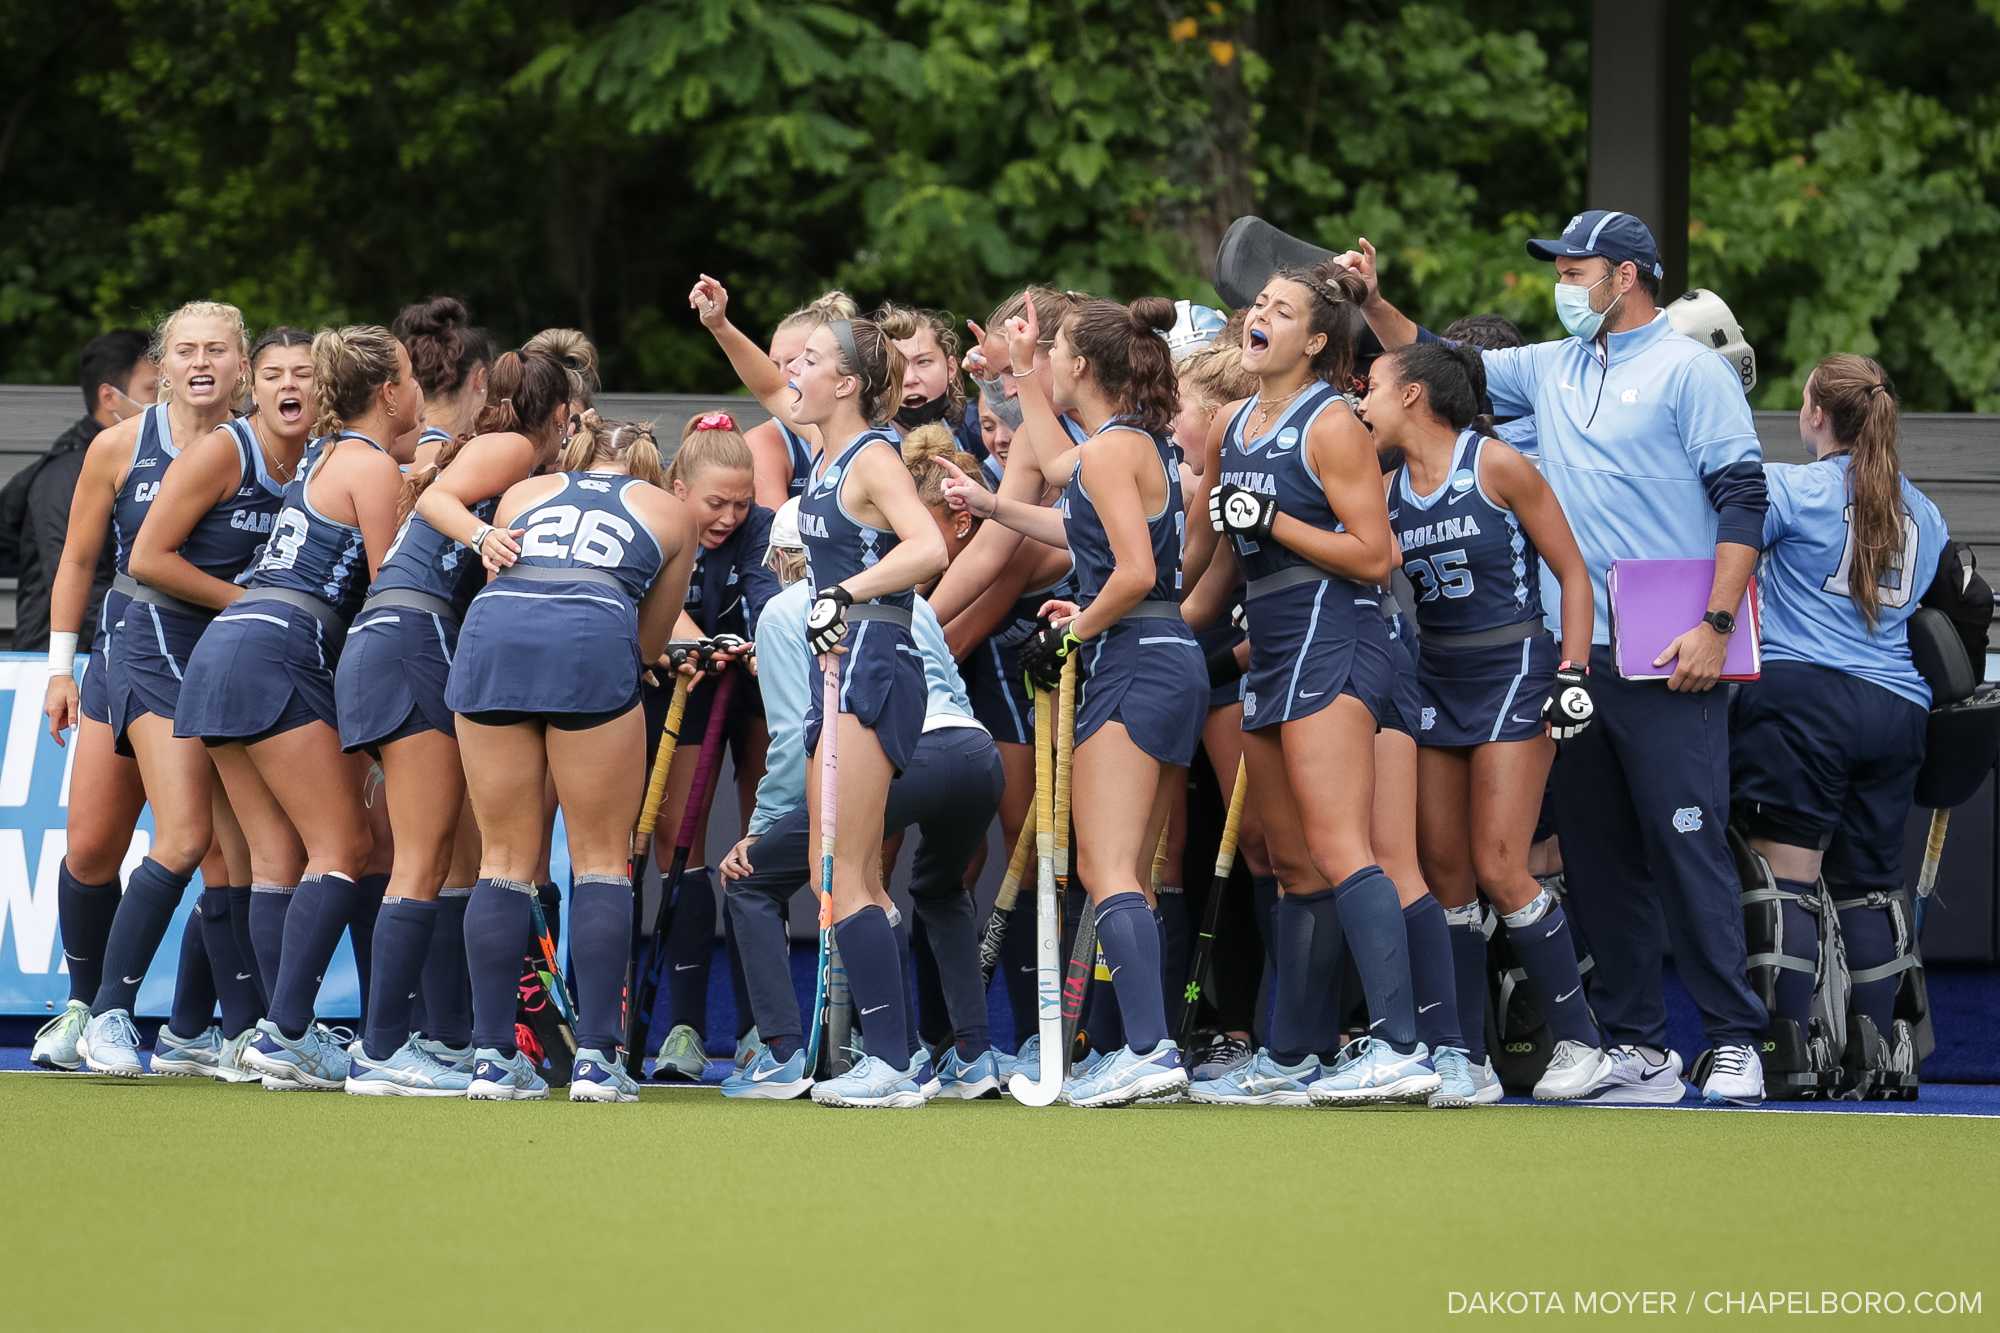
x: 576, y: 161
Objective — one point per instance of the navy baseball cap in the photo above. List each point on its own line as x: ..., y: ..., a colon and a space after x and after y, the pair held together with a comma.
x: 1617, y: 237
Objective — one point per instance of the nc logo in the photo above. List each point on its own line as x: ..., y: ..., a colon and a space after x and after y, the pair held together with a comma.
x: 1687, y: 819
x: 1249, y: 704
x: 1629, y: 397
x: 1430, y: 718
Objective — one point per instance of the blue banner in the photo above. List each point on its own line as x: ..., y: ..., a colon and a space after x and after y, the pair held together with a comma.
x: 34, y: 816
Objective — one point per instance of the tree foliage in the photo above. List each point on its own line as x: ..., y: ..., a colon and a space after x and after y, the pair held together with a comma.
x: 578, y: 161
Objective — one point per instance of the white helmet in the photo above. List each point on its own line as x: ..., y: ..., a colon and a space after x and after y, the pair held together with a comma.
x: 785, y: 528
x: 1195, y: 327
x: 1704, y: 317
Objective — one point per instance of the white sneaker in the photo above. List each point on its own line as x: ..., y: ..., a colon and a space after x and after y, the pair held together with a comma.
x: 229, y: 1066
x: 1575, y: 1071
x: 1486, y: 1083
x: 1735, y: 1079
x: 55, y: 1043
x: 1635, y: 1080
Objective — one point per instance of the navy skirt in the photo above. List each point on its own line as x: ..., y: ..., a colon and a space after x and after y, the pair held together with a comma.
x: 146, y: 662
x: 392, y: 676
x: 1476, y: 696
x: 882, y: 684
x: 1149, y: 675
x: 262, y: 668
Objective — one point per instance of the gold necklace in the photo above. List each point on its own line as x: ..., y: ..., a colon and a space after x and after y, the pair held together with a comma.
x: 1264, y: 410
x: 283, y: 471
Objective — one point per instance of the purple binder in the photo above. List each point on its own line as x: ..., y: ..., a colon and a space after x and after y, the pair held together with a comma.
x: 1654, y: 602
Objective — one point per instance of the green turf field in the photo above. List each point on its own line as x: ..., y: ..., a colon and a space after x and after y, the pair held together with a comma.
x: 126, y: 1202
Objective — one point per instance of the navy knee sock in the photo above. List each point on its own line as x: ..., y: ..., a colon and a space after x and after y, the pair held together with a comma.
x: 1548, y: 956
x: 1131, y: 942
x: 1468, y: 965
x: 498, y: 928
x: 600, y: 945
x: 240, y: 897
x: 691, y: 950
x: 194, y: 984
x: 739, y: 989
x: 361, y: 930
x: 869, y: 953
x: 1263, y: 906
x: 1431, y: 978
x: 1871, y: 942
x: 1172, y: 917
x: 321, y: 910
x: 1017, y: 967
x: 86, y: 912
x: 144, y: 914
x: 1305, y: 939
x: 1103, y: 1021
x: 1373, y: 920
x: 235, y: 980
x: 901, y: 927
x: 403, y: 932
x: 270, y: 906
x: 1333, y: 1006
x: 447, y: 988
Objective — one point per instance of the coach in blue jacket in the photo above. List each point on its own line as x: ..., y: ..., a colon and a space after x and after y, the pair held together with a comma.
x: 1648, y: 442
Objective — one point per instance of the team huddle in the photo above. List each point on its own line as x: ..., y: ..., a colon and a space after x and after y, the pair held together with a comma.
x: 386, y: 602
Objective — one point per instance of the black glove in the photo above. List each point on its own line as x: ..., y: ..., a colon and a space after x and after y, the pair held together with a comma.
x: 680, y: 652
x: 826, y: 619
x: 1243, y: 513
x: 736, y: 645
x: 1240, y: 617
x: 1042, y: 656
x: 1568, y: 708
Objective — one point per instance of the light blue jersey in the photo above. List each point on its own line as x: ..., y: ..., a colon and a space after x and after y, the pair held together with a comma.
x: 1652, y: 452
x: 785, y: 673
x: 1808, y: 546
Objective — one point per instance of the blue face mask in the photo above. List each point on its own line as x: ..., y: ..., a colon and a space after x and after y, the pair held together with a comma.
x: 1573, y: 308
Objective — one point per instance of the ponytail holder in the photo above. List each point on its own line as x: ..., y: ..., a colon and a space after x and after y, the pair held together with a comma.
x: 508, y: 401
x: 715, y: 421
x: 1878, y: 388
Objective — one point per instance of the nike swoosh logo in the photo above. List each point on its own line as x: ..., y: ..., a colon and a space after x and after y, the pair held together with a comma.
x: 876, y: 1010
x: 1571, y: 387
x: 245, y: 976
x: 686, y: 967
x: 1567, y: 994
x: 1114, y: 973
x: 767, y: 1074
x: 72, y: 957
x: 1377, y: 1023
x: 1550, y: 931
x: 133, y: 981
x: 1313, y: 695
x: 1426, y: 1008
x: 1518, y: 718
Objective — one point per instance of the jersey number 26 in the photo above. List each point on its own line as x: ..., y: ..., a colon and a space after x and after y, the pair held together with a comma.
x: 600, y: 536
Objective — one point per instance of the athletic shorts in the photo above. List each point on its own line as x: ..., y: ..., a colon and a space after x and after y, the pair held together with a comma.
x: 1149, y: 675
x: 509, y: 717
x: 391, y: 678
x: 1303, y: 652
x: 150, y: 653
x: 93, y: 692
x: 999, y: 693
x: 1824, y: 759
x: 261, y: 669
x: 881, y: 684
x: 1476, y: 696
x: 1403, y: 708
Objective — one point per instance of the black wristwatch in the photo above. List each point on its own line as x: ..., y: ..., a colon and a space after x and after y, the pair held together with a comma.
x: 1722, y: 622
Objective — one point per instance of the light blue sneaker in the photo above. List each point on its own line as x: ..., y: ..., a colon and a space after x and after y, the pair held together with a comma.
x: 458, y: 1057
x: 1124, y: 1077
x: 229, y: 1066
x: 747, y: 1047
x: 1370, y: 1071
x: 318, y: 1060
x: 1259, y: 1081
x: 765, y: 1078
x: 55, y: 1040
x: 1458, y: 1081
x: 407, y: 1072
x: 874, y: 1082
x: 681, y: 1058
x: 505, y: 1078
x: 1027, y: 1061
x: 110, y: 1045
x: 969, y: 1080
x: 187, y: 1057
x: 597, y: 1077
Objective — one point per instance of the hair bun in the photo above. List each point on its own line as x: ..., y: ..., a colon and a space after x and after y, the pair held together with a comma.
x: 1155, y: 314
x: 433, y: 318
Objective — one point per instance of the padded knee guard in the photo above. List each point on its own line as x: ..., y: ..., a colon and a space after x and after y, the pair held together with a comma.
x: 1801, y: 1065
x: 1886, y: 1066
x: 1518, y: 1039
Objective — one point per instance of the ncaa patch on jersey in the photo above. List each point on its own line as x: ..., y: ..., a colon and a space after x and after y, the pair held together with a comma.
x: 1687, y: 819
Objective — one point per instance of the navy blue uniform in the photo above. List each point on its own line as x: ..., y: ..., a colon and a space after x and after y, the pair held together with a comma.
x: 1305, y: 624
x: 266, y: 664
x: 1484, y: 661
x: 727, y: 591
x: 801, y: 456
x: 128, y: 510
x: 393, y: 670
x: 1828, y: 741
x: 881, y: 673
x: 1146, y: 671
x: 156, y: 644
x: 1405, y: 706
x: 992, y: 671
x: 585, y: 563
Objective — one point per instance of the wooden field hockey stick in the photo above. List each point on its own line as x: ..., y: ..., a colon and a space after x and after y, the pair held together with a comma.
x: 995, y: 933
x: 642, y: 841
x: 663, y: 915
x: 829, y: 789
x: 1042, y: 1091
x: 1204, y: 945
x: 1927, y: 875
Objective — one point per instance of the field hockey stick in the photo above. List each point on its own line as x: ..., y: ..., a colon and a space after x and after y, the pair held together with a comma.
x: 839, y: 1012
x: 995, y: 933
x: 551, y: 976
x: 1043, y: 1090
x: 663, y: 915
x: 1933, y: 854
x: 642, y: 841
x: 1204, y: 945
x: 829, y: 732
